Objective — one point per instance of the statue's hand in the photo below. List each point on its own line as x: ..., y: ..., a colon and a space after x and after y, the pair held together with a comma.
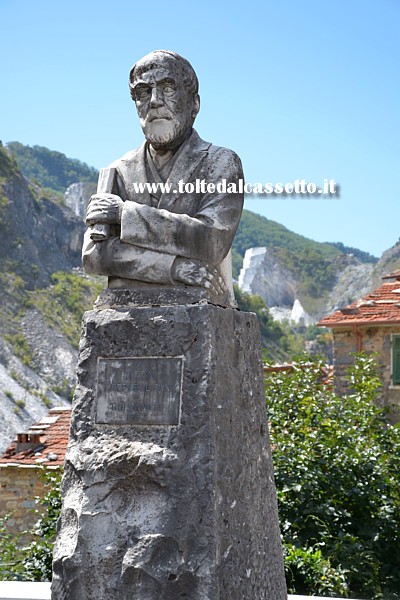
x: 195, y: 272
x: 104, y: 209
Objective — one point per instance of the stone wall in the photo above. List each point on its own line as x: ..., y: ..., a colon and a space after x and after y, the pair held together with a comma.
x: 368, y: 339
x: 18, y: 488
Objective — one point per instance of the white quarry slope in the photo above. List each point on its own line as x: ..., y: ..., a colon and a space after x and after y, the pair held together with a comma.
x: 264, y: 274
x: 77, y: 196
x: 252, y: 261
x: 25, y: 396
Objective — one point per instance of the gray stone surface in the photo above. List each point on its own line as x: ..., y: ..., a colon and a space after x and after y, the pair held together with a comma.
x: 77, y: 197
x: 156, y: 295
x: 164, y: 512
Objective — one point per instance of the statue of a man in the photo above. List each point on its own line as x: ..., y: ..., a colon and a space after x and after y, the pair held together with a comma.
x: 168, y: 236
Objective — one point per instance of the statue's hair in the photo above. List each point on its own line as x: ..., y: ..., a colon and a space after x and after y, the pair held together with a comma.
x: 190, y: 78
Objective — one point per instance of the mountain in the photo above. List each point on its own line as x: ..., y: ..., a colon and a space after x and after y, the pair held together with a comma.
x: 365, y: 257
x: 285, y: 268
x: 42, y: 296
x: 43, y: 291
x: 49, y: 168
x: 389, y: 261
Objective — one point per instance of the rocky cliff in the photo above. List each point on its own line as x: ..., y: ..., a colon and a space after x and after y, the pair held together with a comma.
x: 38, y: 237
x: 77, y: 196
x: 265, y: 273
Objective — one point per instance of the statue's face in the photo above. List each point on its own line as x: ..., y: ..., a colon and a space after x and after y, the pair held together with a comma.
x: 166, y: 110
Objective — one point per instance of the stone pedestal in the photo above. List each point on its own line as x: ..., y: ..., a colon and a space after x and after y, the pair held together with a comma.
x: 168, y: 488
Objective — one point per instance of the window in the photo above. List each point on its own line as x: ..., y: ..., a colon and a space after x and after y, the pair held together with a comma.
x: 396, y: 359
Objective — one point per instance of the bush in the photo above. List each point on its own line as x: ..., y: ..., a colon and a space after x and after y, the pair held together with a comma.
x: 63, y: 303
x: 33, y: 562
x: 337, y: 465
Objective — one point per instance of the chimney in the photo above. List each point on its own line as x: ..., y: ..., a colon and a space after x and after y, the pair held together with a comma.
x: 28, y: 442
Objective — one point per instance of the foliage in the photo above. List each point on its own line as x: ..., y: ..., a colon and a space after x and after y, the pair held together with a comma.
x: 237, y: 261
x: 9, y: 565
x: 8, y: 164
x: 20, y: 347
x: 4, y: 204
x: 255, y: 230
x: 308, y: 569
x: 281, y: 340
x: 337, y: 465
x: 32, y: 562
x: 313, y: 332
x: 41, y: 194
x: 64, y: 302
x: 311, y: 263
x: 8, y: 168
x: 365, y: 257
x: 275, y: 338
x: 49, y: 168
x: 293, y: 340
x: 316, y: 273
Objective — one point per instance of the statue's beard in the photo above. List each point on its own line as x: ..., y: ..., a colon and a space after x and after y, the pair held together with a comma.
x: 164, y: 130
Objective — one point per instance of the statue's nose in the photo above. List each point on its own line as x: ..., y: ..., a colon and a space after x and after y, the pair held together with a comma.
x: 156, y: 98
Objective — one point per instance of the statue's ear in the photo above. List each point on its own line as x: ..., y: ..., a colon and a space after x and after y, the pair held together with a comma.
x: 196, y: 106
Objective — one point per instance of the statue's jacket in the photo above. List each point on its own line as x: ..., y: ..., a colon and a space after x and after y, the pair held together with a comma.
x: 154, y: 232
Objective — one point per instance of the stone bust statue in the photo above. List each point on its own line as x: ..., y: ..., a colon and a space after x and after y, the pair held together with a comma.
x: 143, y: 234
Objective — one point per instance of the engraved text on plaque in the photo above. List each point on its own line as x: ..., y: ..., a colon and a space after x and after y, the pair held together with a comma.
x: 139, y: 391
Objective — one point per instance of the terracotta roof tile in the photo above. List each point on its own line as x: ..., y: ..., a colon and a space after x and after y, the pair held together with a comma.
x: 44, y: 444
x: 382, y: 306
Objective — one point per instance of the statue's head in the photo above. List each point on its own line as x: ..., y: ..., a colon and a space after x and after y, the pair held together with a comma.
x: 164, y: 87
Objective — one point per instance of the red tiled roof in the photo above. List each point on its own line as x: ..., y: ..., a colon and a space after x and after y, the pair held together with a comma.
x: 382, y: 306
x: 392, y: 275
x: 44, y: 444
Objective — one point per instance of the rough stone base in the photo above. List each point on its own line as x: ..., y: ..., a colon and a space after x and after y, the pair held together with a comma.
x: 179, y: 511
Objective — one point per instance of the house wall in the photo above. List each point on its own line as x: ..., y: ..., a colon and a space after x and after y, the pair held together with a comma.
x: 369, y: 339
x: 18, y: 488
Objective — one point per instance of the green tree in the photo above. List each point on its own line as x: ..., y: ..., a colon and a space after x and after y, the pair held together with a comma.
x: 337, y: 465
x: 33, y: 561
x: 274, y: 337
x: 49, y: 168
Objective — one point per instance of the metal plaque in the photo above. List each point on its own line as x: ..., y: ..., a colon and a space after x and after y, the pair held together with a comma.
x: 139, y: 391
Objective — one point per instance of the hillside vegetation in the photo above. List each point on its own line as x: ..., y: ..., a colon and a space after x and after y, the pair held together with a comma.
x: 277, y: 339
x: 49, y: 168
x: 365, y: 257
x: 311, y: 263
x: 255, y: 230
x: 312, y: 266
x: 43, y: 294
x: 40, y: 246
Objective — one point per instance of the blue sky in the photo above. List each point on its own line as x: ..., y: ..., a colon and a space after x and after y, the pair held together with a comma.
x: 299, y: 89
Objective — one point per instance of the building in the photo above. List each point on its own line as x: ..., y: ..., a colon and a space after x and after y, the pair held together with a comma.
x: 371, y: 324
x: 44, y: 444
